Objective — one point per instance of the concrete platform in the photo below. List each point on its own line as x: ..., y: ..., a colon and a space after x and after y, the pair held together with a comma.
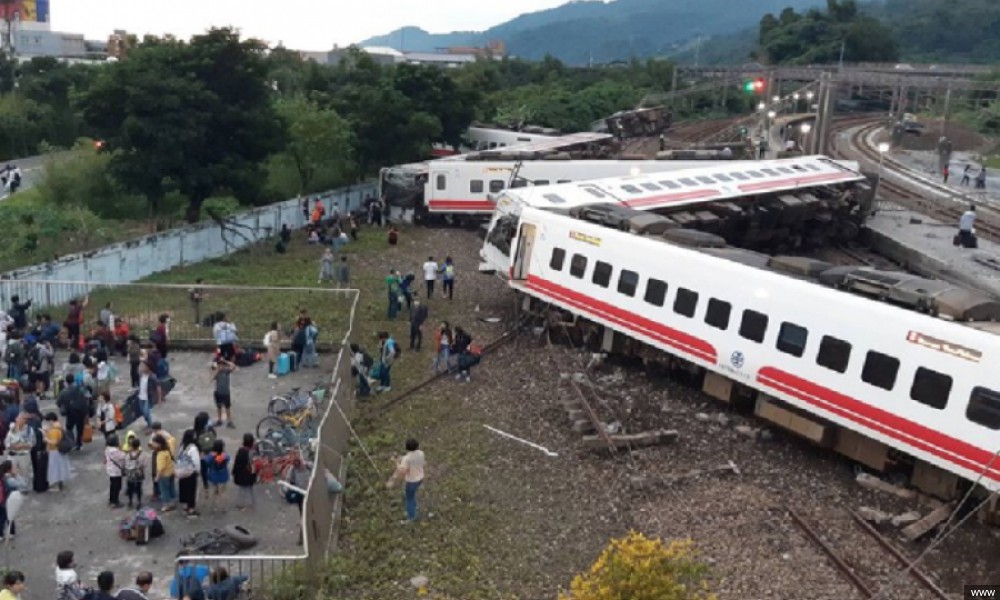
x: 925, y: 247
x: 80, y: 520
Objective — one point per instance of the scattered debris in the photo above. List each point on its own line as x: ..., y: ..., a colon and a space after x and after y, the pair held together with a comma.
x: 874, y: 483
x: 522, y: 441
x: 729, y: 467
x: 874, y: 515
x: 702, y: 416
x: 907, y: 518
x: 647, y: 438
x: 917, y: 530
x: 750, y: 432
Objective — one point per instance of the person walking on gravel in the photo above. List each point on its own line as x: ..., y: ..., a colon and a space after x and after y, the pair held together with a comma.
x: 430, y: 275
x: 410, y: 469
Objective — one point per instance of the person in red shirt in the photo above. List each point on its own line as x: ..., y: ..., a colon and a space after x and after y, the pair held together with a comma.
x: 318, y: 212
x: 121, y: 336
x: 74, y: 320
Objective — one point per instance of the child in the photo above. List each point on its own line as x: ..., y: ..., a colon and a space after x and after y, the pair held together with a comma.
x: 243, y: 473
x: 164, y: 472
x: 114, y: 465
x: 107, y: 421
x: 135, y: 472
x: 218, y: 470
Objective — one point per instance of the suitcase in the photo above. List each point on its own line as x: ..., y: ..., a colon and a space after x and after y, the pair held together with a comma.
x: 140, y: 532
x: 88, y: 433
x: 284, y: 364
x: 293, y: 360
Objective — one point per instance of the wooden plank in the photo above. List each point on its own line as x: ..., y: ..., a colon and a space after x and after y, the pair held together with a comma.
x: 874, y: 483
x: 648, y: 438
x: 932, y: 520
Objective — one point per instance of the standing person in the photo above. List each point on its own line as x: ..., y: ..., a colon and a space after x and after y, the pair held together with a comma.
x: 272, y: 342
x: 388, y: 352
x: 448, y: 281
x: 244, y: 476
x: 107, y: 317
x: 14, y: 355
x: 418, y: 315
x: 946, y: 172
x: 74, y: 319
x: 981, y: 178
x: 343, y: 274
x: 205, y: 435
x: 222, y: 371
x: 135, y: 472
x: 13, y: 585
x: 107, y: 422
x: 196, y: 295
x: 218, y: 471
x: 134, y: 350
x: 58, y: 468
x: 161, y: 334
x: 360, y: 365
x: 353, y: 221
x: 464, y: 360
x: 10, y: 481
x: 76, y: 406
x: 143, y: 582
x: 319, y: 211
x: 310, y: 356
x: 225, y: 335
x: 150, y: 392
x: 326, y: 266
x: 188, y: 469
x: 305, y: 210
x: 411, y: 470
x: 114, y: 466
x: 966, y: 175
x: 39, y: 456
x: 431, y: 269
x: 41, y: 361
x: 966, y: 228
x: 19, y: 312
x: 393, y: 235
x: 20, y: 440
x: 392, y: 282
x: 442, y: 347
x: 68, y: 586
x: 164, y: 475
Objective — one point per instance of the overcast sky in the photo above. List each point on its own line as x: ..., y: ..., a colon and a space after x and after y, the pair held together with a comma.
x: 299, y: 24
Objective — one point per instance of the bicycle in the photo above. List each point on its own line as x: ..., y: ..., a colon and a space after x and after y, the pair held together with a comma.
x: 215, y: 542
x: 272, y: 467
x: 284, y: 435
x: 296, y: 400
x: 301, y: 418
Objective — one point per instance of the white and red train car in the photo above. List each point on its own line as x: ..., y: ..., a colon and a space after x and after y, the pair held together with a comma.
x: 479, y: 138
x: 873, y: 373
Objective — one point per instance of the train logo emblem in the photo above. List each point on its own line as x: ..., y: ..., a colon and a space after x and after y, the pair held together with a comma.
x: 737, y: 359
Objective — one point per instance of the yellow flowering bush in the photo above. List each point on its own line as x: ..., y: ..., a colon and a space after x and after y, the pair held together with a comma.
x: 639, y: 568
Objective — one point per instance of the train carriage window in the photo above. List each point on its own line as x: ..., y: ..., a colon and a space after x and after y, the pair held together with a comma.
x: 688, y: 181
x: 670, y: 185
x: 931, y: 388
x: 834, y: 354
x: 722, y: 178
x: 686, y: 302
x: 578, y: 266
x: 718, y: 313
x: 539, y: 182
x: 755, y: 174
x: 656, y: 292
x: 880, y: 370
x: 493, y: 145
x: 555, y: 198
x: 564, y: 181
x: 602, y: 274
x: 651, y: 187
x: 705, y: 179
x: 631, y: 189
x: 476, y: 186
x: 496, y: 185
x: 442, y: 182
x: 770, y: 172
x: 739, y: 176
x: 984, y: 407
x: 813, y: 167
x: 558, y: 258
x: 754, y: 326
x: 628, y: 281
x: 786, y: 171
x: 792, y: 339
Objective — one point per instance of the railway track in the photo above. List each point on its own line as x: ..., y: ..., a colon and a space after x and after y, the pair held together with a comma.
x: 942, y: 204
x: 871, y: 568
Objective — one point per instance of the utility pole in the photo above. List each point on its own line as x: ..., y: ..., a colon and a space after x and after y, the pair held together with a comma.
x: 947, y: 108
x: 843, y: 46
x: 673, y: 88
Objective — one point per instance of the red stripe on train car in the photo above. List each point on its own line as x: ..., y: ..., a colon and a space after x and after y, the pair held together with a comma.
x: 950, y: 449
x: 766, y: 185
x: 462, y: 205
x: 677, y: 339
x: 668, y: 198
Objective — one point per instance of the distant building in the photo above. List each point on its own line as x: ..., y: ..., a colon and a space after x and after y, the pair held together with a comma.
x: 446, y: 57
x: 27, y: 33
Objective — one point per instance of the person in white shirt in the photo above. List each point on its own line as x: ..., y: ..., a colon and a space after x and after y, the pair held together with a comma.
x: 411, y: 470
x: 224, y: 333
x: 966, y: 228
x: 431, y: 270
x: 149, y: 390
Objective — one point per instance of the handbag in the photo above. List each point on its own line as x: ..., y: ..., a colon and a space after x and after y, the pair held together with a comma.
x: 88, y: 433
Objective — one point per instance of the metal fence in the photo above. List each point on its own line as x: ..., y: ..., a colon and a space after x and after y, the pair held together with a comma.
x: 285, y: 577
x: 141, y: 257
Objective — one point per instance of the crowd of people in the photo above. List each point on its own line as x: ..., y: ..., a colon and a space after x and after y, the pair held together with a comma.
x: 10, y: 179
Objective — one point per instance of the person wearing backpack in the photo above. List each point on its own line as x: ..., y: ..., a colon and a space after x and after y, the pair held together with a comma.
x: 361, y: 364
x: 217, y: 462
x: 388, y: 353
x: 448, y: 280
x: 205, y: 436
x: 14, y: 356
x: 59, y: 443
x: 244, y: 475
x: 107, y: 416
x: 135, y: 472
x: 73, y: 403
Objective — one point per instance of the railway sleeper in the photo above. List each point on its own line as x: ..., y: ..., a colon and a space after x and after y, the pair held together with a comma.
x: 863, y: 451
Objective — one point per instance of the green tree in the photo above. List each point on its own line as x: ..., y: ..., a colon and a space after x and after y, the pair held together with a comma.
x: 817, y: 37
x: 319, y: 142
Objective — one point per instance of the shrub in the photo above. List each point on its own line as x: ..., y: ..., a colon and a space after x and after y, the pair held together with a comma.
x: 639, y: 568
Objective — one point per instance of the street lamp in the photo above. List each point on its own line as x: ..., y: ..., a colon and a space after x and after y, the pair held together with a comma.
x: 776, y: 99
x: 761, y: 107
x: 883, y: 147
x: 805, y: 128
x: 771, y: 114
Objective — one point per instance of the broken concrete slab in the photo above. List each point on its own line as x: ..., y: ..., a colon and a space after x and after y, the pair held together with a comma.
x: 873, y: 515
x: 917, y: 530
x: 905, y: 519
x: 874, y: 483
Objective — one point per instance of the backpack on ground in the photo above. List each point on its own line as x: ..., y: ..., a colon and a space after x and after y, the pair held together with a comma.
x: 66, y: 442
x: 206, y: 439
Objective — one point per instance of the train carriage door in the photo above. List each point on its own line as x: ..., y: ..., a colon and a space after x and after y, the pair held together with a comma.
x: 525, y: 246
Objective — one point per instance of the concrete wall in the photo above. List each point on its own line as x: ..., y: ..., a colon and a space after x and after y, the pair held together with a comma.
x: 130, y: 261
